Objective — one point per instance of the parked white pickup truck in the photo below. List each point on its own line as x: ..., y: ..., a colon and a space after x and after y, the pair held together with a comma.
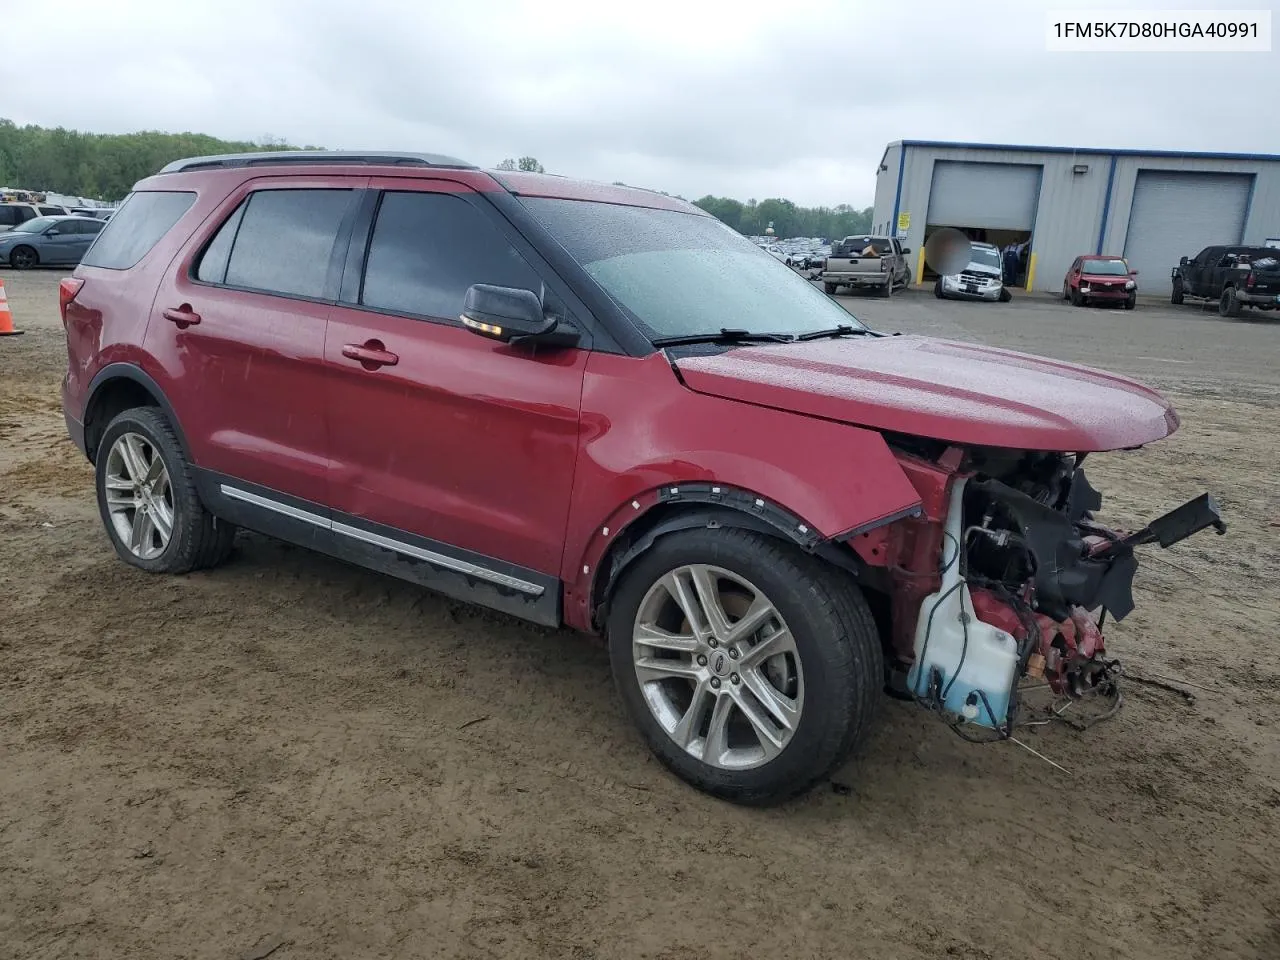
x: 848, y: 267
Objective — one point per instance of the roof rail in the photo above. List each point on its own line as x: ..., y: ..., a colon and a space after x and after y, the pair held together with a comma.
x: 325, y: 157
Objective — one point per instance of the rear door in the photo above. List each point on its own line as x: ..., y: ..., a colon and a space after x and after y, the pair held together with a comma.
x: 454, y: 446
x: 239, y: 322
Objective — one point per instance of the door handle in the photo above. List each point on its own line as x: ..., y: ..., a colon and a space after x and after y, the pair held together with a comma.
x: 371, y: 354
x: 183, y: 316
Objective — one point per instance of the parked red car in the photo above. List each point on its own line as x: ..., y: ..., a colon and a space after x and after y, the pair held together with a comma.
x: 1098, y: 279
x: 597, y: 406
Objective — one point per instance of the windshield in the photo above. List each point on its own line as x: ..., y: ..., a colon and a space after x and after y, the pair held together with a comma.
x: 985, y: 257
x: 682, y: 274
x: 34, y: 226
x: 1105, y: 268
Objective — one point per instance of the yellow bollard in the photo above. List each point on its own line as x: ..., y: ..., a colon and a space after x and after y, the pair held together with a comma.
x: 1031, y: 272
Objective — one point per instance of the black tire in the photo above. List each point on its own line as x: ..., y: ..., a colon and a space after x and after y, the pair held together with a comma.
x: 198, y: 539
x: 829, y: 288
x: 1077, y: 299
x: 1176, y: 298
x: 937, y: 288
x: 1066, y: 292
x: 1005, y: 295
x: 23, y: 258
x: 1131, y: 303
x: 887, y: 290
x: 1228, y: 303
x: 835, y: 636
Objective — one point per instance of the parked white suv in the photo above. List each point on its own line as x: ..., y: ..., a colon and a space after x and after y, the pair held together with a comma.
x: 13, y: 214
x: 982, y: 279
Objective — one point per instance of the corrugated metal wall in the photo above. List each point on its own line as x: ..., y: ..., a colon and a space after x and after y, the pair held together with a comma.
x: 1069, y: 217
x: 886, y: 189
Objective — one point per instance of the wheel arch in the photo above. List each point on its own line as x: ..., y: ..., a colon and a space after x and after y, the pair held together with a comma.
x: 118, y: 387
x: 695, y: 506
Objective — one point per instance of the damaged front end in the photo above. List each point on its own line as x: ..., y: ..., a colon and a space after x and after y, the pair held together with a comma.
x: 1003, y: 584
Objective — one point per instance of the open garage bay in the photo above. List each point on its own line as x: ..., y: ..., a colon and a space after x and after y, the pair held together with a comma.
x: 290, y: 752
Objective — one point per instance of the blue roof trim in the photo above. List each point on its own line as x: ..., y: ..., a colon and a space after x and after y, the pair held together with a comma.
x: 1099, y: 151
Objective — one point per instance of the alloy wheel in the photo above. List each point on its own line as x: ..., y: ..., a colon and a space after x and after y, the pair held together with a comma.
x: 718, y: 667
x: 139, y: 496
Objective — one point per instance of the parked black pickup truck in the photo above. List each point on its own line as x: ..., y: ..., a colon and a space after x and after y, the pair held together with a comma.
x: 1235, y: 277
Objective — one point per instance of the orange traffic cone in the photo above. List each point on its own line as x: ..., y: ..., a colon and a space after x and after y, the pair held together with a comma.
x: 7, y: 328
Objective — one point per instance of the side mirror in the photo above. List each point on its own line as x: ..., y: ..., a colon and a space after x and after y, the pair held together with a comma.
x: 1183, y: 262
x: 1133, y: 273
x: 905, y: 251
x: 512, y: 315
x: 52, y: 233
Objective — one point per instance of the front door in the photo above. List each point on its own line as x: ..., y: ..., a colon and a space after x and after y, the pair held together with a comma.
x: 443, y: 441
x: 239, y: 328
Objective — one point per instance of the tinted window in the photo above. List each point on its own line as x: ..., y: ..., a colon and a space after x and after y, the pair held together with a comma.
x: 52, y: 211
x: 93, y: 227
x: 9, y: 216
x: 136, y: 228
x: 213, y: 264
x: 427, y: 248
x: 285, y: 241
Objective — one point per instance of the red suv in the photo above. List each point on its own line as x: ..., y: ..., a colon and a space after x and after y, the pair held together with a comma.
x: 597, y: 406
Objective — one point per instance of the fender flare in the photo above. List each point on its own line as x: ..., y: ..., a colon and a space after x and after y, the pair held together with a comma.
x: 121, y: 370
x: 672, y: 509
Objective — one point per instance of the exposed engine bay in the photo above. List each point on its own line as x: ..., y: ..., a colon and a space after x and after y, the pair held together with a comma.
x: 1025, y: 580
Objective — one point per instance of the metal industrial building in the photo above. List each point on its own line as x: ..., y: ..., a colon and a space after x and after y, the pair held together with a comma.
x: 1151, y: 207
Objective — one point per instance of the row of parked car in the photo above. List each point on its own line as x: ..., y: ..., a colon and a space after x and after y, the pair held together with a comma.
x: 35, y: 234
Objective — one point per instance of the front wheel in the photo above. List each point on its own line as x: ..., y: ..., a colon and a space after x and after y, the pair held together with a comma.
x: 1005, y: 295
x: 1131, y: 303
x: 750, y: 669
x: 1176, y: 298
x: 937, y: 288
x: 23, y: 258
x: 148, y: 501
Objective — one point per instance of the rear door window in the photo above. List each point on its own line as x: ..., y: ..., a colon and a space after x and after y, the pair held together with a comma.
x: 9, y: 216
x: 428, y: 248
x: 280, y: 241
x: 138, y: 225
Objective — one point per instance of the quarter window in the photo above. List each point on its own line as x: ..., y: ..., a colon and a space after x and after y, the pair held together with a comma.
x: 428, y: 248
x: 138, y: 225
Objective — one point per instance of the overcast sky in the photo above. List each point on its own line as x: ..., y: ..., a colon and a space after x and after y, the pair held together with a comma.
x: 739, y: 99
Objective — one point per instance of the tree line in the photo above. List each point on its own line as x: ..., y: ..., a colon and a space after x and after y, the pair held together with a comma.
x: 788, y: 219
x: 105, y: 166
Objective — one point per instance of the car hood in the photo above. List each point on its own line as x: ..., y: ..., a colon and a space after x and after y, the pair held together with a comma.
x: 962, y: 393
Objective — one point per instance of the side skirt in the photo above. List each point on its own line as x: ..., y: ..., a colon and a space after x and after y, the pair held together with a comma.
x: 441, y: 567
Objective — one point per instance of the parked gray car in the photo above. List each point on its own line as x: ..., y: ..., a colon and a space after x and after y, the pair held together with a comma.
x: 48, y: 241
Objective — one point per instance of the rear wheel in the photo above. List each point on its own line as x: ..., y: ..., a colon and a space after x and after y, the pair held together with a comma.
x: 828, y: 288
x: 1176, y: 298
x: 148, y: 501
x: 1229, y: 303
x: 751, y: 669
x: 23, y: 258
x: 1066, y: 292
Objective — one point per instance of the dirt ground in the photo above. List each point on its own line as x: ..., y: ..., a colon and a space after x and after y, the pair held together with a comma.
x: 291, y: 753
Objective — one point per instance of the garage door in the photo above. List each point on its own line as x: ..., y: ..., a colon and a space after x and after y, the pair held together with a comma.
x: 1177, y: 214
x: 997, y: 196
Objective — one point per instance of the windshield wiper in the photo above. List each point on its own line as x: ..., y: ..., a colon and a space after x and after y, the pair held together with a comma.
x: 844, y: 330
x: 726, y: 335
